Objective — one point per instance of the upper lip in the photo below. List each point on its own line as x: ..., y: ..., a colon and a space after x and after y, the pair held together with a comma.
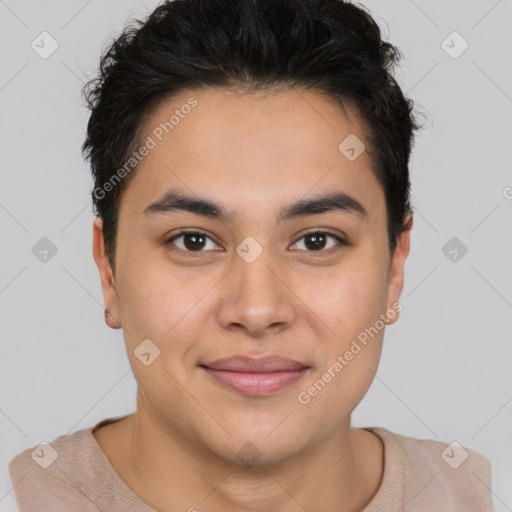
x: 250, y: 364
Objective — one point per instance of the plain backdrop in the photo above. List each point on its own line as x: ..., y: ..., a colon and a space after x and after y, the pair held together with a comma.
x: 445, y: 368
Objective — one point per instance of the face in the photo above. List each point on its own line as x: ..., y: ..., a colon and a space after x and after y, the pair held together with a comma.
x: 257, y: 262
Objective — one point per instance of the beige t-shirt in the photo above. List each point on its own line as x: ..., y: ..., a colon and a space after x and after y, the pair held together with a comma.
x: 420, y: 475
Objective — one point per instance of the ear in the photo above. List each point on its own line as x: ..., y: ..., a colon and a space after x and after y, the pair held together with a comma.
x: 108, y: 284
x: 396, y: 271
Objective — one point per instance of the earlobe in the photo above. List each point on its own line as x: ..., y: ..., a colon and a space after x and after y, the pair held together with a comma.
x: 110, y: 320
x: 396, y: 276
x: 108, y: 284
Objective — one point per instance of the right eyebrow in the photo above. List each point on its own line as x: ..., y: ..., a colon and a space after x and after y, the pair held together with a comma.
x: 174, y: 200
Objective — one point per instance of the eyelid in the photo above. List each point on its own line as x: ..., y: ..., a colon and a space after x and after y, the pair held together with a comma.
x: 327, y: 231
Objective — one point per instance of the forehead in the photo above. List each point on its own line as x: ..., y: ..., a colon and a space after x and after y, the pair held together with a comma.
x: 253, y: 149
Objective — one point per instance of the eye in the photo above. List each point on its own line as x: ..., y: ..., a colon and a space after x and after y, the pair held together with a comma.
x: 192, y: 241
x: 197, y: 242
x: 318, y: 241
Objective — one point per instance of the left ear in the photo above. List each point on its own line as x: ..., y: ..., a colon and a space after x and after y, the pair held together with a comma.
x: 396, y: 272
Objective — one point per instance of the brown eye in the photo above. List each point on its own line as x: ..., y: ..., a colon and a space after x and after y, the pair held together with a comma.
x: 192, y: 241
x: 315, y: 241
x: 318, y: 241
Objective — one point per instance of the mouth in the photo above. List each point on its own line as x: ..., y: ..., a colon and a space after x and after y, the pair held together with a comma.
x: 253, y: 376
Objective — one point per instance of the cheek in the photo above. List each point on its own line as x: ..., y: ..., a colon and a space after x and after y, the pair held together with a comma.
x: 159, y: 303
x: 351, y: 347
x: 347, y: 299
x: 158, y: 306
x: 357, y: 301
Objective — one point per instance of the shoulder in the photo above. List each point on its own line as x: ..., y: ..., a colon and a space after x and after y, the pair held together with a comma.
x: 70, y: 473
x: 439, y: 475
x: 43, y: 476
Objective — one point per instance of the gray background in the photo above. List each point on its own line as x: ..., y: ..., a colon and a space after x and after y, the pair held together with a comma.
x: 445, y: 369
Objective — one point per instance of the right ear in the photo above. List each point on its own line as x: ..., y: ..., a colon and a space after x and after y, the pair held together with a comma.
x: 108, y: 284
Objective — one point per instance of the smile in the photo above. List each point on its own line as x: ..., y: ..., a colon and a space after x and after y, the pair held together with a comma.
x: 255, y: 376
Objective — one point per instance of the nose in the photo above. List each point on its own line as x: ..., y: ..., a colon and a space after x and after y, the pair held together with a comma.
x: 256, y: 298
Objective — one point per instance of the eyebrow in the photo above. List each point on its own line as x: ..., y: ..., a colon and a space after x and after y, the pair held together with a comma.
x: 174, y: 200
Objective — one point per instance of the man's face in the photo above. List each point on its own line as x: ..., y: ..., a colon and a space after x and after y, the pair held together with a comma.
x: 263, y: 279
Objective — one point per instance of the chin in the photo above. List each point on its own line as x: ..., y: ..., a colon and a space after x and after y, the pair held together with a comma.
x: 259, y: 445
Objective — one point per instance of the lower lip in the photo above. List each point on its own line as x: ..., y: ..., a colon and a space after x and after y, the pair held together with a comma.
x: 256, y: 384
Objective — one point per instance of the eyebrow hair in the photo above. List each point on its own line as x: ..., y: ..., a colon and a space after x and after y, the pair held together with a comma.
x: 174, y: 200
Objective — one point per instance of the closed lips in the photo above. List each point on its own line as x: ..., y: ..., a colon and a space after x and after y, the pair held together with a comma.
x: 251, y: 365
x: 252, y: 376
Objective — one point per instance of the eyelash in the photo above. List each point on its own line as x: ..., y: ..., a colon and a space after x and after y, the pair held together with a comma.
x: 338, y: 239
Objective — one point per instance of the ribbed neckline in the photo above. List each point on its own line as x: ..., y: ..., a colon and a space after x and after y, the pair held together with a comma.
x: 125, y: 497
x: 389, y: 496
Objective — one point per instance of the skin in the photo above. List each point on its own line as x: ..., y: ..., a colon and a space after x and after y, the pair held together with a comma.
x: 253, y: 153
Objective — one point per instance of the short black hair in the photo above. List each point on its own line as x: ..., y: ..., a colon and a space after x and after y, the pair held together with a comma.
x: 333, y: 47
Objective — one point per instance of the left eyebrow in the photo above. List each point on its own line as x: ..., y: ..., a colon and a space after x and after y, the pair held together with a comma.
x: 334, y: 201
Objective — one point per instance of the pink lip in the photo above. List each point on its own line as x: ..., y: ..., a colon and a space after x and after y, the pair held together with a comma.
x: 256, y: 376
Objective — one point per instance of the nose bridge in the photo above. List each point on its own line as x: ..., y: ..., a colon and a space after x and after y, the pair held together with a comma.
x: 255, y: 295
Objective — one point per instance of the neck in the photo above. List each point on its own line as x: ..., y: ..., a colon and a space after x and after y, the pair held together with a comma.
x: 170, y: 471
